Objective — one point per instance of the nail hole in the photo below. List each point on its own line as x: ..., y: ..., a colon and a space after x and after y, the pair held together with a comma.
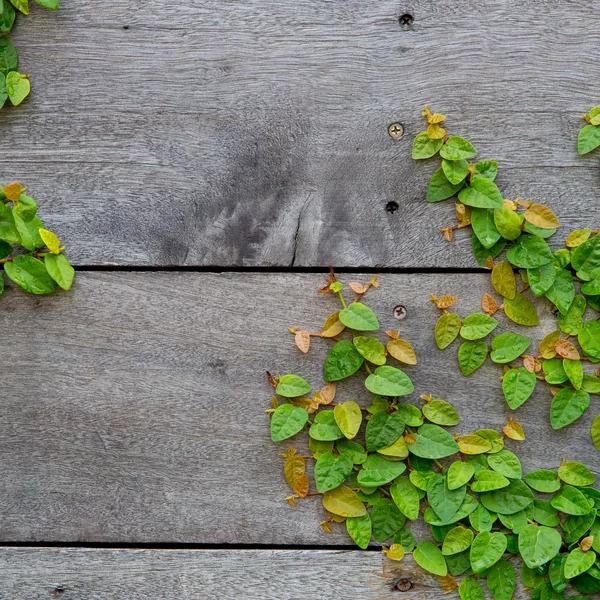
x: 58, y: 590
x: 392, y: 207
x: 399, y: 312
x: 405, y: 20
x: 404, y: 585
x: 396, y: 130
x: 125, y: 27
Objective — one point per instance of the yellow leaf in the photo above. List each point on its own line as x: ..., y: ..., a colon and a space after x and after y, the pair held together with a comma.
x: 489, y: 304
x: 401, y: 350
x: 393, y: 334
x: 566, y: 349
x: 51, y: 241
x: 294, y: 470
x: 510, y: 204
x: 374, y: 282
x: 473, y: 444
x: 547, y: 349
x: 333, y: 326
x: 448, y: 584
x: 463, y: 214
x: 503, y: 280
x: 13, y: 191
x: 444, y: 301
x: 394, y: 552
x: 344, y: 502
x: 541, y: 216
x: 274, y: 402
x: 302, y: 339
x: 291, y: 501
x: 577, y: 237
x: 326, y: 526
x: 447, y: 233
x: 514, y: 431
x: 435, y: 132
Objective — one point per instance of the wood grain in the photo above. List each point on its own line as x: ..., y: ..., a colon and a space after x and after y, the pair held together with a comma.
x: 132, y: 408
x: 78, y: 574
x: 254, y: 133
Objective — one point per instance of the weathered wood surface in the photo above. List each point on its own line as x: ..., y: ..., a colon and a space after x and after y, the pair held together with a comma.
x: 81, y: 574
x: 255, y: 133
x: 133, y: 407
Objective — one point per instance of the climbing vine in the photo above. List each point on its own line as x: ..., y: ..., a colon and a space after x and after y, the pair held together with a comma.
x: 14, y: 85
x: 381, y: 466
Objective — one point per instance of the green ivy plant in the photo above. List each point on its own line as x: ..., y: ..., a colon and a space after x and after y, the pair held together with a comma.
x: 589, y: 136
x: 378, y: 467
x: 32, y: 255
x: 14, y: 85
x: 569, y: 278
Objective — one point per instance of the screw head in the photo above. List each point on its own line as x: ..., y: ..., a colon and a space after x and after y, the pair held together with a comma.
x: 396, y: 130
x: 400, y: 312
x: 404, y: 585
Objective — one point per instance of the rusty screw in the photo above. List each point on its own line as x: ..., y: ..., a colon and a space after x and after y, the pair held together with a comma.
x: 404, y: 585
x: 396, y: 130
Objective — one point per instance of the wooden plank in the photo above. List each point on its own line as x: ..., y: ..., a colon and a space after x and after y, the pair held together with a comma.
x: 106, y: 574
x: 254, y: 133
x: 133, y: 407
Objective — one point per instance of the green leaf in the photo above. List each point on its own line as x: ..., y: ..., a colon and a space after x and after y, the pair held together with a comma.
x: 458, y: 539
x: 538, y: 545
x: 567, y: 406
x: 543, y: 480
x: 572, y: 321
x: 26, y: 207
x: 554, y: 371
x: 521, y: 310
x: 588, y: 139
x: 529, y: 252
x: 508, y: 223
x: 482, y: 221
x: 562, y: 292
x: 531, y: 578
x: 578, y: 562
x: 577, y: 526
x: 29, y: 232
x: 440, y: 188
x: 9, y: 60
x: 545, y: 514
x: 354, y: 451
x: 470, y: 589
x: 459, y: 473
x: 377, y: 471
x: 571, y: 501
x: 503, y: 279
x: 371, y: 349
x: 406, y: 497
x: 383, y: 429
x: 319, y: 448
x: 386, y: 519
x: 508, y: 500
x: 481, y: 193
x: 49, y: 4
x: 457, y: 148
x: 486, y: 550
x: 8, y: 229
x: 324, y: 428
x: 477, y: 326
x: 441, y: 412
x: 389, y: 381
x: 424, y: 147
x: 542, y: 278
x: 360, y: 317
x: 287, y: 421
x: 60, y: 270
x: 471, y: 355
x: 18, y: 87
x: 482, y: 254
x: 506, y: 463
x: 446, y: 329
x: 398, y: 450
x: 22, y: 5
x: 331, y: 471
x: 591, y: 384
x: 343, y: 502
x: 488, y: 169
x: 502, y: 580
x: 348, y: 417
x: 432, y: 442
x: 405, y: 538
x: 429, y: 557
x: 455, y: 170
x: 517, y: 386
x: 507, y: 346
x: 574, y: 371
x: 292, y: 386
x: 482, y: 519
x: 359, y: 529
x: 411, y: 415
x: 574, y: 473
x: 588, y: 338
x: 30, y: 274
x: 486, y: 481
x: 444, y: 501
x: 596, y: 433
x: 467, y: 507
x: 343, y: 360
x: 7, y: 19
x: 493, y: 438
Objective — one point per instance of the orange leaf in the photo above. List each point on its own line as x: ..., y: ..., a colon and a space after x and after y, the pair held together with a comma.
x: 448, y: 584
x: 566, y: 349
x: 444, y: 301
x: 13, y: 191
x: 541, y: 216
x: 357, y: 288
x: 302, y: 339
x: 327, y: 394
x: 529, y: 363
x: 295, y: 474
x: 489, y: 263
x: 489, y: 304
x: 586, y: 543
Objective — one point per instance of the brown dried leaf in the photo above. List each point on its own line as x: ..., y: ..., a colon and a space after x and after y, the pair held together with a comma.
x: 274, y: 403
x: 292, y: 501
x: 327, y: 394
x: 541, y: 216
x: 306, y: 403
x: 302, y: 340
x: 448, y: 584
x: 566, y: 349
x: 357, y: 288
x: 547, y: 349
x: 529, y: 363
x: 326, y: 526
x: 514, y: 431
x: 333, y: 326
x: 489, y: 263
x: 409, y: 438
x: 401, y: 350
x: 489, y: 304
x: 554, y: 390
x: 447, y: 231
x: 393, y: 334
x: 463, y: 214
x: 586, y: 543
x: 294, y: 470
x: 444, y: 301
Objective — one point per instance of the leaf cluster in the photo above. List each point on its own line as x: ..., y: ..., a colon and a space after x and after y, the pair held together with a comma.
x: 14, y: 85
